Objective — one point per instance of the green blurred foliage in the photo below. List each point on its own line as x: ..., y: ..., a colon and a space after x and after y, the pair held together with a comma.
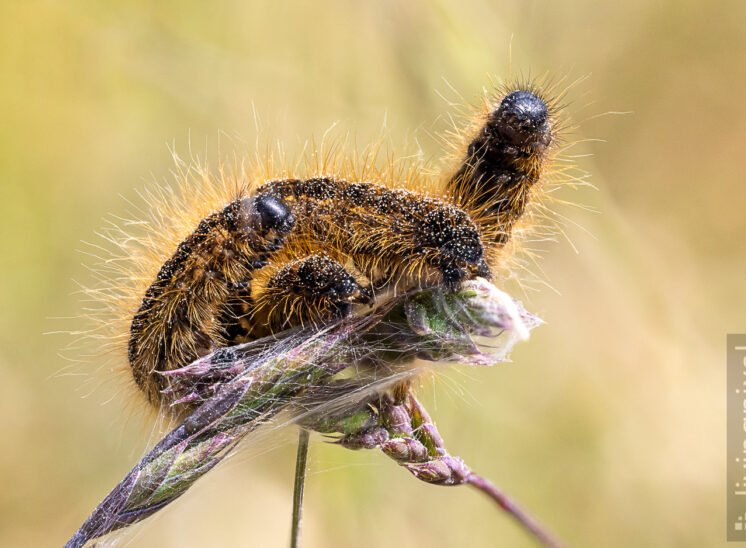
x: 609, y: 426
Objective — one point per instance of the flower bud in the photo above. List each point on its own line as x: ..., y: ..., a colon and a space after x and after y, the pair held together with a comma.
x: 405, y: 450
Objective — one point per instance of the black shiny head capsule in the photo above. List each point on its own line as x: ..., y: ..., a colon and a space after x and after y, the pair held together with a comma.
x: 264, y: 214
x: 274, y: 214
x: 521, y: 118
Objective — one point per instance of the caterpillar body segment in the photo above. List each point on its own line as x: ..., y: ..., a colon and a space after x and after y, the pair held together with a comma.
x: 391, y: 234
x: 177, y: 320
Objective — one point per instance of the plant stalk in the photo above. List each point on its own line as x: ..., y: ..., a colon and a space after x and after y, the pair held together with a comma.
x: 528, y: 523
x: 300, y: 481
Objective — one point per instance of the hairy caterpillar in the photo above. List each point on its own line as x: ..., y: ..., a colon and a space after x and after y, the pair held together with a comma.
x: 277, y: 251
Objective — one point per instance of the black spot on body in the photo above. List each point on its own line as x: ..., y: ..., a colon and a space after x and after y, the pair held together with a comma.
x: 224, y: 357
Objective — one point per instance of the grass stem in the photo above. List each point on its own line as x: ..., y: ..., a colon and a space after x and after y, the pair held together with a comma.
x: 300, y: 481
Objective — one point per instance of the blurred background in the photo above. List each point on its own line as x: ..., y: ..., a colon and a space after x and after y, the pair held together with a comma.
x: 609, y: 423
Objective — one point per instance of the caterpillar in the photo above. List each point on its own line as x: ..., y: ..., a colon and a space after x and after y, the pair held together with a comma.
x: 275, y: 252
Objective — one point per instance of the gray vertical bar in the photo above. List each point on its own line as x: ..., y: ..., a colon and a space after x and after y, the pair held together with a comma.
x: 736, y: 401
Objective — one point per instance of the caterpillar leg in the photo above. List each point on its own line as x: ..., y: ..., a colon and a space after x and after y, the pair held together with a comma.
x: 504, y: 161
x: 311, y: 290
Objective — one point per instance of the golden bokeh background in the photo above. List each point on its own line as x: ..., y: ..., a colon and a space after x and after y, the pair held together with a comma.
x: 609, y: 425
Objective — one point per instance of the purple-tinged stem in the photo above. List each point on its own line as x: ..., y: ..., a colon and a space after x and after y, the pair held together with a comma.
x: 489, y: 489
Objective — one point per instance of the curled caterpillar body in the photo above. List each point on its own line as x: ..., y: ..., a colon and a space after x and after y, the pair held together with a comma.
x: 305, y: 251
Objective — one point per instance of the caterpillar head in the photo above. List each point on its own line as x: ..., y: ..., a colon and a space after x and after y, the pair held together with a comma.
x: 522, y: 119
x: 266, y: 213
